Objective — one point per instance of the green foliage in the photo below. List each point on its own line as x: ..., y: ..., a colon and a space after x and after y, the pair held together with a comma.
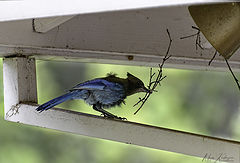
x: 200, y: 102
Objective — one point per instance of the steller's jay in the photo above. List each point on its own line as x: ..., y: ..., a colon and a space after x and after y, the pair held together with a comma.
x: 101, y: 93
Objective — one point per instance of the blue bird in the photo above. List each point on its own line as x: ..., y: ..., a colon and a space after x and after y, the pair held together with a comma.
x: 101, y: 93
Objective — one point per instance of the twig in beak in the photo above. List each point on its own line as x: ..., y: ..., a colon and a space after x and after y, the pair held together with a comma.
x: 153, y: 84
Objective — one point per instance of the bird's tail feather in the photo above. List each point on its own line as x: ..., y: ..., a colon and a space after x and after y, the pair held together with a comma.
x: 56, y: 101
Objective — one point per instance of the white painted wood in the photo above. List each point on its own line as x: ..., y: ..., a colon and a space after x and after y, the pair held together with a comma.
x: 128, y: 132
x: 44, y: 25
x: 141, y: 33
x: 18, y: 10
x: 117, y: 58
x: 104, y: 38
x: 19, y: 78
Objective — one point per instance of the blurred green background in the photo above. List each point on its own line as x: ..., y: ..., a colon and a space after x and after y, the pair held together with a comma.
x: 195, y: 101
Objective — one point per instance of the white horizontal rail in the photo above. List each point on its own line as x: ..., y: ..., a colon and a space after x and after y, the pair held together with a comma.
x: 127, y: 132
x: 18, y: 10
x: 115, y: 58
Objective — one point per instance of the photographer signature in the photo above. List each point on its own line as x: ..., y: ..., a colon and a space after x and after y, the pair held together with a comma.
x: 222, y: 157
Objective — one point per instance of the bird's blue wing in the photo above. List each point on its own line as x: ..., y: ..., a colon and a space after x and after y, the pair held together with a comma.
x: 95, y: 84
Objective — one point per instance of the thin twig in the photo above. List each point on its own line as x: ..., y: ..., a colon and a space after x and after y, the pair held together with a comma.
x: 184, y: 37
x: 235, y: 78
x: 209, y: 63
x: 198, y: 38
x: 193, y: 27
x: 153, y: 84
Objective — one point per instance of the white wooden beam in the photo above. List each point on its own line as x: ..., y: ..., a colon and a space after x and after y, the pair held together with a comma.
x: 19, y: 78
x: 44, y: 25
x: 128, y: 132
x: 18, y: 10
x: 135, y: 59
x: 112, y: 37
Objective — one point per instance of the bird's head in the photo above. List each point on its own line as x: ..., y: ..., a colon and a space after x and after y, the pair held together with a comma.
x: 135, y: 85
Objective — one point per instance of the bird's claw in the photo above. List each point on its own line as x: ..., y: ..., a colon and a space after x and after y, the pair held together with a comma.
x: 113, y: 117
x: 122, y: 118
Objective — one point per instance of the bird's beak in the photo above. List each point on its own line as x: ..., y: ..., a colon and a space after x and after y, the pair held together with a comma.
x: 144, y: 89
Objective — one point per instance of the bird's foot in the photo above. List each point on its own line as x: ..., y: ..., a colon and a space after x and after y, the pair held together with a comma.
x: 114, y: 117
x: 122, y: 118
